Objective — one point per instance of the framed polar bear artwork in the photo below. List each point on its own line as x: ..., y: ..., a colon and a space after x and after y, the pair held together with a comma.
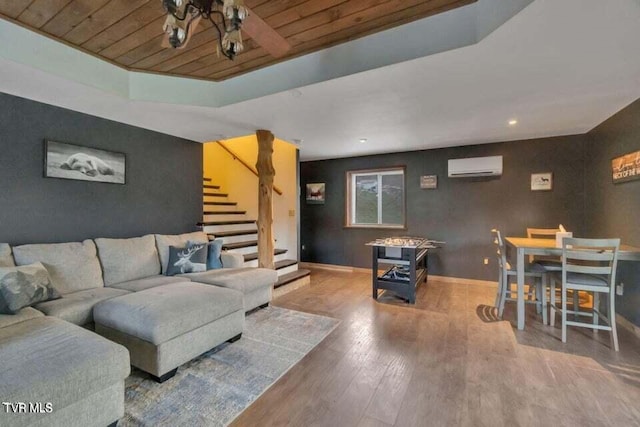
x: 69, y: 161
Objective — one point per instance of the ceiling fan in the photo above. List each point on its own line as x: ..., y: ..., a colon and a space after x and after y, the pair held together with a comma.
x: 229, y: 18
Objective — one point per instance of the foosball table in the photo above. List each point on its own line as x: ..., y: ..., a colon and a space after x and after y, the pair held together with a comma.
x: 406, y: 261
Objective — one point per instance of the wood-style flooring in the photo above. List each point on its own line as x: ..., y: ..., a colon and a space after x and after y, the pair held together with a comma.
x: 446, y: 361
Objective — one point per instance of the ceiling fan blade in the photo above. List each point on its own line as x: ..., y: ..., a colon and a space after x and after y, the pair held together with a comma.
x: 265, y: 35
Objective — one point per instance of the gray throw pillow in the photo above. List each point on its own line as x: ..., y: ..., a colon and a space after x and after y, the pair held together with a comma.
x: 214, y: 253
x: 24, y: 286
x: 191, y: 259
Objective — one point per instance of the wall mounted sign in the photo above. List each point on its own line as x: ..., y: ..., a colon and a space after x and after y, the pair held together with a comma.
x: 68, y: 161
x: 542, y: 181
x: 626, y: 168
x: 316, y: 193
x: 429, y: 182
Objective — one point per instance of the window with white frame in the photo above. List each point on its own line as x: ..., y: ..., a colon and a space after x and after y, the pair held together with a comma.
x: 375, y: 198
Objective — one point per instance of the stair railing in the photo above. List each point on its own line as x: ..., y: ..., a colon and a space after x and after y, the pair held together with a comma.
x: 245, y: 164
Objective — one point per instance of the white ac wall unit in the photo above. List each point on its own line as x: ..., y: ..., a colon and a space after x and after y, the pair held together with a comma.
x: 475, y: 166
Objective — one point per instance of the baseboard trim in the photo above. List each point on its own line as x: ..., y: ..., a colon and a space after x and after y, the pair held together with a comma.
x: 445, y: 279
x: 331, y: 267
x: 622, y: 321
x: 463, y: 281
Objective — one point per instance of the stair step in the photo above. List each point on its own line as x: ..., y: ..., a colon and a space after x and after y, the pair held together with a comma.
x: 291, y: 277
x: 215, y: 194
x: 285, y: 263
x: 220, y: 203
x: 251, y: 257
x: 206, y: 179
x: 212, y: 187
x: 247, y: 221
x: 232, y: 233
x: 239, y: 245
x: 224, y: 212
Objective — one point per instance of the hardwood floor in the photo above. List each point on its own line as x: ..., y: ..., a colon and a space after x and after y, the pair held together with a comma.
x: 446, y: 361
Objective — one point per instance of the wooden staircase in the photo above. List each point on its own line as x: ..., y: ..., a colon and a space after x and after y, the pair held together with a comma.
x: 223, y: 219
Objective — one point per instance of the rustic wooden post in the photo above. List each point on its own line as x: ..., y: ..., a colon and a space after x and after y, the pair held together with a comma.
x: 266, y: 172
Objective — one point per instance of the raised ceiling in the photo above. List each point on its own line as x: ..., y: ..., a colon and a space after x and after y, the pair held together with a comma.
x: 128, y: 33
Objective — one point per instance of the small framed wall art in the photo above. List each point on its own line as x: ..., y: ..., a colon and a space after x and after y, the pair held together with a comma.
x: 542, y: 181
x: 626, y: 168
x: 429, y: 182
x: 316, y: 193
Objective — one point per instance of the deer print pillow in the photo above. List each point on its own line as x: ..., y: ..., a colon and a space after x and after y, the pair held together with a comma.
x: 192, y: 259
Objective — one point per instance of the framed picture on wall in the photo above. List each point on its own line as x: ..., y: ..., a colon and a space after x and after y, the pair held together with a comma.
x: 429, y: 182
x: 626, y: 168
x: 69, y: 161
x: 316, y: 193
x: 542, y: 181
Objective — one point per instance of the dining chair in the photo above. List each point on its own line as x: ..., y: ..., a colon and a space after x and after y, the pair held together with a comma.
x: 588, y: 265
x: 547, y: 264
x: 534, y: 294
x: 543, y: 233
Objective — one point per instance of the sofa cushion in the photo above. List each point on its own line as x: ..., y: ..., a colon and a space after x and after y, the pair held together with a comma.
x: 232, y: 260
x: 27, y: 313
x: 245, y: 280
x: 49, y: 360
x: 163, y: 242
x: 24, y: 286
x: 72, y: 266
x: 148, y: 282
x: 159, y: 314
x: 6, y: 259
x: 78, y: 307
x: 124, y: 260
x: 190, y: 259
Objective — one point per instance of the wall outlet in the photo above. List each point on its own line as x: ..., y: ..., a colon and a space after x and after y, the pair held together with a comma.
x: 486, y: 261
x: 292, y: 212
x: 303, y: 247
x: 620, y: 289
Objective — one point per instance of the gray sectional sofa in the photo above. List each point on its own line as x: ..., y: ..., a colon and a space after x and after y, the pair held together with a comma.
x: 116, y: 310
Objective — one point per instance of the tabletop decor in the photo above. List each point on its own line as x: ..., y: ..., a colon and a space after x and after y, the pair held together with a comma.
x: 626, y: 168
x: 68, y: 161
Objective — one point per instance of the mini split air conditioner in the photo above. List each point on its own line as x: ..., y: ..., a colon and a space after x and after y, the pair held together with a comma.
x: 475, y: 166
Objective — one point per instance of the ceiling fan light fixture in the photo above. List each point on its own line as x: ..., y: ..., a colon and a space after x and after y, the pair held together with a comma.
x: 171, y: 6
x: 235, y: 11
x: 232, y: 42
x: 226, y: 16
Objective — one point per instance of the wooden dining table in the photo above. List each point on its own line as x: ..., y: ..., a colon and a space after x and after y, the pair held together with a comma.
x: 524, y: 246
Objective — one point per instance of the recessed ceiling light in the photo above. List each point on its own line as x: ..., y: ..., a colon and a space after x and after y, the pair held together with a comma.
x: 363, y: 140
x: 513, y: 122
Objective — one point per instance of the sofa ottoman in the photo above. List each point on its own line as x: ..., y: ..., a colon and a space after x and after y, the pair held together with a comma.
x: 256, y: 284
x: 47, y: 360
x: 166, y: 326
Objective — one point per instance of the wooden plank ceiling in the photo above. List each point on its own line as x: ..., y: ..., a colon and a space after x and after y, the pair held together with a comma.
x: 128, y: 32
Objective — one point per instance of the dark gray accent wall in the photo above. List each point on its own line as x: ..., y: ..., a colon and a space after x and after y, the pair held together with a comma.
x: 461, y: 212
x: 163, y: 193
x: 612, y: 210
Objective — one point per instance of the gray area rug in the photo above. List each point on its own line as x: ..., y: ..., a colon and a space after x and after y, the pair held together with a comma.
x: 215, y: 388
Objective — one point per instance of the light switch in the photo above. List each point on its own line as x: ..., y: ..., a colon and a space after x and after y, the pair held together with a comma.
x: 292, y: 212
